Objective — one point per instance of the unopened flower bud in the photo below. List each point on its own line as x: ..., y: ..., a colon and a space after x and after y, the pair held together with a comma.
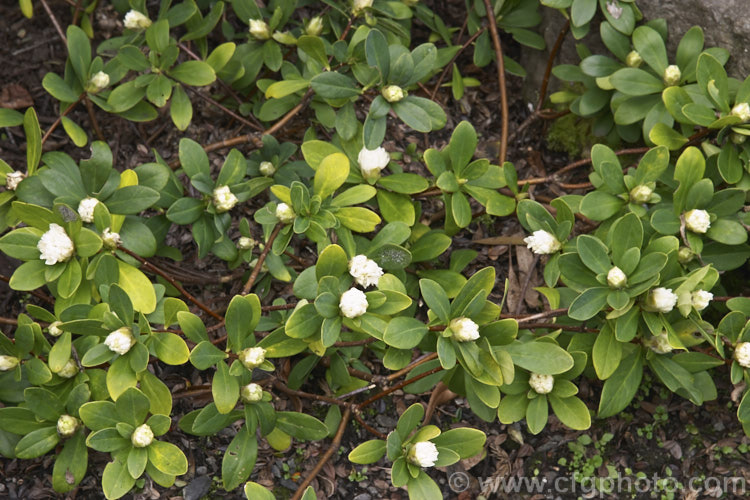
x: 541, y: 242
x: 672, y: 75
x: 142, y: 436
x: 464, y: 330
x: 641, y: 194
x: 267, y: 169
x: 742, y: 354
x: 223, y: 198
x: 251, y: 393
x: 660, y: 343
x: 67, y: 425
x: 7, y: 363
x: 134, y: 20
x: 252, y: 357
x: 13, y: 179
x: 685, y: 255
x: 360, y: 5
x: 633, y: 59
x: 737, y: 138
x: 616, y: 278
x: 697, y: 221
x: 54, y: 329
x: 69, y: 369
x: 315, y: 26
x: 245, y: 243
x: 542, y: 384
x: 423, y: 454
x: 259, y: 29
x: 353, y: 303
x: 285, y: 213
x: 98, y: 82
x: 120, y: 341
x: 393, y: 93
x: 742, y: 111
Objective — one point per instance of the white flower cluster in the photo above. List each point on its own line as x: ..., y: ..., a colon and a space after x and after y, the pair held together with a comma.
x: 111, y: 240
x: 285, y: 213
x: 660, y: 343
x: 697, y: 221
x: 134, y: 20
x: 7, y: 363
x: 672, y: 75
x: 251, y: 393
x: 353, y: 303
x: 55, y: 245
x: 224, y: 199
x: 120, y: 341
x: 542, y: 242
x: 423, y: 454
x: 142, y: 436
x: 542, y: 384
x: 661, y: 299
x: 742, y: 111
x: 633, y: 59
x: 616, y: 278
x: 464, y: 330
x: 13, y: 179
x: 86, y: 209
x: 67, y: 425
x: 700, y: 299
x: 393, y: 93
x: 252, y: 357
x: 259, y: 29
x: 372, y: 161
x: 245, y: 243
x: 742, y: 354
x: 366, y: 272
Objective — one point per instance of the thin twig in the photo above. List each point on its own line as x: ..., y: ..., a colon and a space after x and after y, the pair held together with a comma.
x: 500, y: 80
x: 326, y: 456
x: 450, y: 63
x: 172, y: 281
x: 526, y: 282
x: 261, y: 259
x: 94, y: 122
x: 226, y: 110
x: 412, y: 365
x: 550, y: 62
x: 398, y: 386
x: 367, y: 427
x: 54, y: 22
x: 59, y: 118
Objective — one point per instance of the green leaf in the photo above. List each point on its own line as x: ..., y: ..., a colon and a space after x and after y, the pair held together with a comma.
x: 333, y: 85
x: 58, y: 88
x: 537, y: 413
x: 593, y: 253
x: 301, y: 426
x: 170, y: 348
x: 167, y: 458
x: 225, y: 389
x: 314, y: 47
x: 423, y: 487
x: 158, y: 394
x: 132, y: 407
x: 636, y: 82
x: 423, y: 115
x: 465, y: 441
x: 33, y: 139
x: 544, y: 358
x: 284, y: 88
x: 98, y: 415
x: 303, y: 322
x: 79, y: 52
x: 607, y: 353
x: 180, y: 109
x: 377, y: 53
x: 404, y: 332
x: 257, y: 492
x: 435, y: 298
x: 331, y: 174
x: 688, y: 170
x: 197, y: 73
x: 368, y: 452
x: 116, y: 480
x: 571, y: 412
x: 598, y: 205
x: 138, y: 287
x: 358, y: 219
x: 70, y: 464
x: 37, y: 443
x: 239, y: 459
x: 588, y: 304
x: 620, y: 388
x: 650, y: 45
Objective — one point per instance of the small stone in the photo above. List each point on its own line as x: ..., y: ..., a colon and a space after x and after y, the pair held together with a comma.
x: 363, y: 496
x: 201, y: 470
x: 197, y: 488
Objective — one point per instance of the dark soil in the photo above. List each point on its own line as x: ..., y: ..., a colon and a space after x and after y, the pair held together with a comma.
x: 660, y: 447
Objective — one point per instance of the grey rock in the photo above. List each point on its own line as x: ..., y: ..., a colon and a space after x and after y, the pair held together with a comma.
x: 201, y: 470
x: 197, y: 488
x: 363, y: 496
x: 725, y: 24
